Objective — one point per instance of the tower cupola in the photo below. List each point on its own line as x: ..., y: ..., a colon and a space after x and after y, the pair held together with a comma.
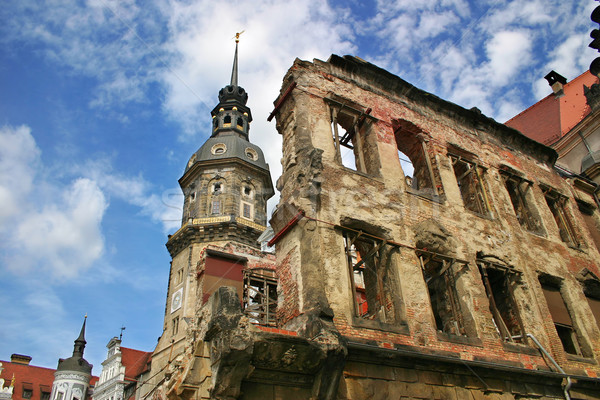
x: 231, y: 116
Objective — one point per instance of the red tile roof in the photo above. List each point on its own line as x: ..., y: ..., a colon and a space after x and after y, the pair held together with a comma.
x: 553, y: 117
x: 135, y: 362
x: 37, y: 379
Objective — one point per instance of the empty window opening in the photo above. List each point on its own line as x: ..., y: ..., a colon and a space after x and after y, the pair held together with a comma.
x: 561, y: 318
x: 227, y: 120
x: 518, y: 189
x: 499, y: 280
x: 414, y: 158
x: 558, y: 206
x: 240, y: 123
x: 441, y: 283
x: 247, y: 191
x: 591, y: 289
x: 217, y: 188
x: 470, y: 182
x: 260, y: 296
x: 373, y: 286
x: 350, y: 126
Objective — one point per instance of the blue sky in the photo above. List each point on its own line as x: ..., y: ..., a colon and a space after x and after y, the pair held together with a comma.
x: 102, y: 102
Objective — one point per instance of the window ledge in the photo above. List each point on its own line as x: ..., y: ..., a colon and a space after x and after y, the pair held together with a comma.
x: 520, y: 348
x: 381, y: 326
x: 363, y: 174
x: 448, y: 337
x: 582, y: 359
x: 441, y: 199
x: 483, y: 216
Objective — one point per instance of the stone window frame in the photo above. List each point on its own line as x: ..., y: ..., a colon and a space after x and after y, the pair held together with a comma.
x: 444, y: 267
x: 558, y: 205
x: 260, y: 296
x: 522, y: 202
x: 590, y: 284
x: 510, y: 278
x: 382, y: 285
x: 471, y: 177
x: 561, y: 317
x: 414, y: 143
x: 356, y: 122
x: 175, y: 326
x: 215, y: 207
x: 246, y: 206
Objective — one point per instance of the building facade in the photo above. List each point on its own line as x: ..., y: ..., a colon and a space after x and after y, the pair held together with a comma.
x: 19, y: 380
x: 123, y: 373
x: 471, y: 276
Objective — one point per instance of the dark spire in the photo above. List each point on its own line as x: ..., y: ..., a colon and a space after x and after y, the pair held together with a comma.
x: 231, y: 115
x: 76, y: 362
x: 234, y: 70
x: 80, y: 342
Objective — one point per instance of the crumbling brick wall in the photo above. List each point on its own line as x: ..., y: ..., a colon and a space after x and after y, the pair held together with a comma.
x: 383, y: 111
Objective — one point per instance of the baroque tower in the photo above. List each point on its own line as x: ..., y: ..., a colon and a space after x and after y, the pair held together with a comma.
x: 226, y: 185
x: 72, y: 376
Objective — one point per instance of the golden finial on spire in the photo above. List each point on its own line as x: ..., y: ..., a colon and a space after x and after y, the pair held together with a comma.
x: 85, y: 316
x: 237, y: 36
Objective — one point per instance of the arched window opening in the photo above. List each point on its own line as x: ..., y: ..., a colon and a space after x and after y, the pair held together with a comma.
x: 416, y: 162
x: 227, y: 120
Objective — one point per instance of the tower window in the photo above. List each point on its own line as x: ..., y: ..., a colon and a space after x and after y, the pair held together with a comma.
x: 246, y: 210
x: 175, y: 325
x: 216, y: 207
x: 247, y: 191
x: 217, y: 188
x: 240, y: 123
x: 227, y: 121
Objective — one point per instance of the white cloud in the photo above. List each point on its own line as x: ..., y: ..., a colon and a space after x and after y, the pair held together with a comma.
x: 508, y: 52
x: 55, y: 228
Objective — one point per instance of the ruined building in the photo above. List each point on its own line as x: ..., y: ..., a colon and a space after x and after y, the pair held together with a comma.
x: 469, y: 275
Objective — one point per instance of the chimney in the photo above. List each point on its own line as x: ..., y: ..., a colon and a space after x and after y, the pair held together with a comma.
x: 556, y: 82
x: 20, y: 359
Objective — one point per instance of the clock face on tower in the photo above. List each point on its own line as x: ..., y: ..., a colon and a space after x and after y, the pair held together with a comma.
x: 176, y: 300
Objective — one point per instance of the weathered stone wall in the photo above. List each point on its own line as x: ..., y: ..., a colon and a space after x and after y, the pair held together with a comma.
x: 377, y: 200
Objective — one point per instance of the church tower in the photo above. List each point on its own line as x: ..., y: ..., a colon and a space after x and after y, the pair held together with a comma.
x: 226, y: 185
x: 72, y: 376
